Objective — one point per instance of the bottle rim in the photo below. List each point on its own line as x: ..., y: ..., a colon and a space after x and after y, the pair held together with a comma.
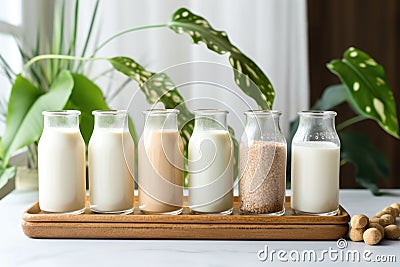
x: 160, y: 111
x: 112, y: 112
x: 70, y: 112
x: 317, y: 113
x: 210, y: 111
x: 255, y: 112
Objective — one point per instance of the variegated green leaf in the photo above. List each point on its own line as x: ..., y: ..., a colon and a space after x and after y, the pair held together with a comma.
x: 368, y: 88
x: 248, y: 76
x: 158, y: 87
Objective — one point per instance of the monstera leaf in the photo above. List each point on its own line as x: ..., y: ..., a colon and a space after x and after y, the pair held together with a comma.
x: 248, y: 76
x: 368, y: 88
x: 158, y: 87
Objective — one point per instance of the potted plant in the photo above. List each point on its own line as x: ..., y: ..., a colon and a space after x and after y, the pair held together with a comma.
x: 58, y: 81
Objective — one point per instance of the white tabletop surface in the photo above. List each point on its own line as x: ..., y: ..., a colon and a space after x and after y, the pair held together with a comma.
x: 16, y: 249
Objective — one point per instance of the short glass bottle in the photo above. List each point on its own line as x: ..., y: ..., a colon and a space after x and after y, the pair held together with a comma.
x: 111, y: 153
x: 315, y: 164
x: 262, y: 164
x: 62, y: 163
x: 160, y: 163
x: 210, y: 164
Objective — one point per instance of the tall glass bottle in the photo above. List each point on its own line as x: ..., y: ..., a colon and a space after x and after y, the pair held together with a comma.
x: 111, y: 162
x: 210, y: 164
x: 315, y: 164
x: 262, y: 164
x: 61, y: 163
x: 161, y: 162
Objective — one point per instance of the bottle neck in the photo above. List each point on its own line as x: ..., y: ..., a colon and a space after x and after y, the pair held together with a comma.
x: 211, y: 120
x: 111, y: 120
x: 61, y: 119
x: 316, y: 126
x: 263, y: 126
x: 320, y: 124
x: 161, y: 122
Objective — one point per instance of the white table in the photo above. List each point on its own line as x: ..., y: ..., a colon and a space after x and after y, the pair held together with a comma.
x: 18, y: 250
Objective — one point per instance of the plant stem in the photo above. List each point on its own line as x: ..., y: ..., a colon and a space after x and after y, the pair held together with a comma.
x: 349, y: 122
x: 89, y: 35
x: 124, y: 32
x: 51, y: 56
x: 119, y: 89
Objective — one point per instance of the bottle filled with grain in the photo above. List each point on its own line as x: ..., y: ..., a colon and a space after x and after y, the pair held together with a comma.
x: 262, y: 164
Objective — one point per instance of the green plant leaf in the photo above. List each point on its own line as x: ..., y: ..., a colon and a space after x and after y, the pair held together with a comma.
x: 245, y: 70
x: 29, y: 129
x: 369, y: 92
x: 332, y: 96
x: 86, y: 96
x: 23, y: 95
x: 369, y: 162
x: 6, y: 174
x: 158, y: 87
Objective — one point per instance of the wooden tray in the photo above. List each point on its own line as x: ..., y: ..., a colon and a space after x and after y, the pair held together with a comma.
x: 37, y: 224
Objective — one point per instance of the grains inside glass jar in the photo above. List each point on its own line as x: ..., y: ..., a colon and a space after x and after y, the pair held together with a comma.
x: 262, y: 170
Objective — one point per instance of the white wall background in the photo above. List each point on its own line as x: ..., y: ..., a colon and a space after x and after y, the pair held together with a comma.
x: 271, y: 32
x: 10, y: 21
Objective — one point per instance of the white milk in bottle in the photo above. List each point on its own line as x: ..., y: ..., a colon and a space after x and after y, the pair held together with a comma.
x: 315, y: 164
x: 61, y: 163
x: 210, y: 164
x: 111, y: 163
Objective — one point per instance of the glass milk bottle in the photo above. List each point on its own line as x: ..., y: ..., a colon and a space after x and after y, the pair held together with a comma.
x: 61, y: 163
x: 210, y: 164
x: 111, y: 162
x: 262, y: 164
x: 315, y: 164
x: 161, y: 162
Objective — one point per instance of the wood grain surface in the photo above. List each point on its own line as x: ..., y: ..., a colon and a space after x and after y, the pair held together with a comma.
x: 38, y: 224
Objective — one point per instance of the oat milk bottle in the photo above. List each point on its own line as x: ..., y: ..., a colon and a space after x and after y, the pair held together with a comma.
x: 111, y: 162
x: 160, y: 163
x: 315, y: 164
x: 210, y: 163
x: 61, y: 163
